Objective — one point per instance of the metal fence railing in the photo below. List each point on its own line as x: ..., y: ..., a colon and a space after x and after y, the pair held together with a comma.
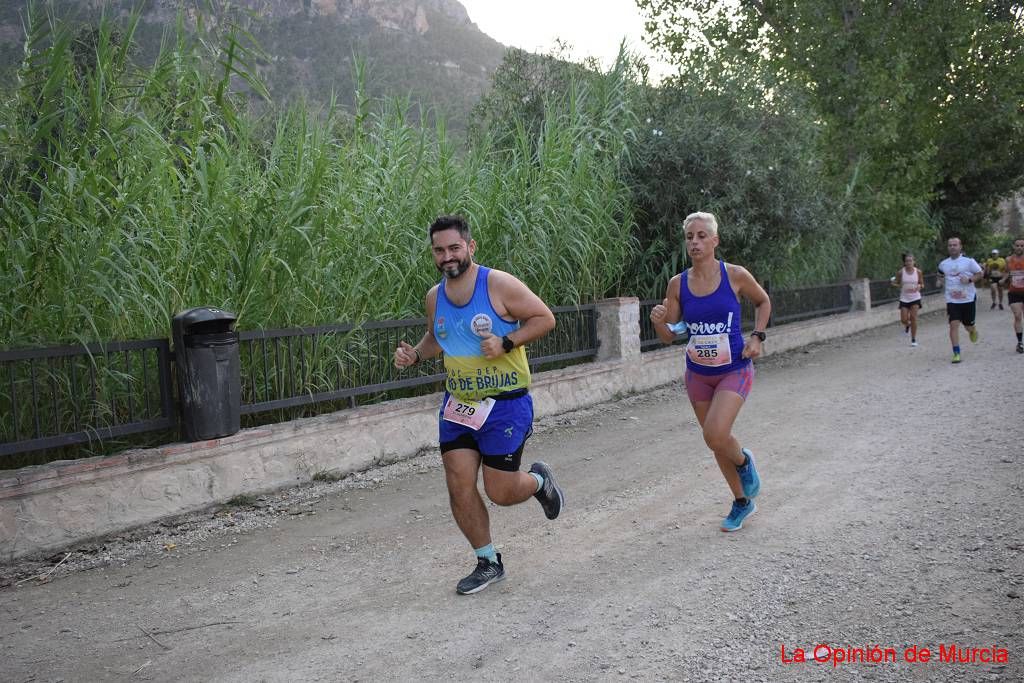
x: 63, y: 396
x: 306, y: 366
x: 303, y: 366
x: 60, y: 396
x: 788, y: 305
x: 883, y: 292
x: 804, y: 303
x: 574, y: 339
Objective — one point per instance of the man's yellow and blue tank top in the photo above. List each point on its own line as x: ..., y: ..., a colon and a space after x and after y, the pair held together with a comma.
x: 459, y: 330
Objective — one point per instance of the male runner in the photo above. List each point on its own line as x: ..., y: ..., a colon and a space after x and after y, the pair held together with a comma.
x: 958, y: 273
x: 995, y: 269
x: 481, y: 319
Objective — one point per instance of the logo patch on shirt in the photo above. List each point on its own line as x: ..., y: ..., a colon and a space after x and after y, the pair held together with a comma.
x: 481, y: 324
x: 442, y: 333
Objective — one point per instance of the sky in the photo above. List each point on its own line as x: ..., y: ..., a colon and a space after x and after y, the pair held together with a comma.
x: 594, y: 28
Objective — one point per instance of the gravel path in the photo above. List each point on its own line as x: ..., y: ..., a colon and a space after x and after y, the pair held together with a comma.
x: 888, y: 517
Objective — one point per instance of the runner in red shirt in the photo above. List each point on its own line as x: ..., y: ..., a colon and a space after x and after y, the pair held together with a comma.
x: 1015, y: 288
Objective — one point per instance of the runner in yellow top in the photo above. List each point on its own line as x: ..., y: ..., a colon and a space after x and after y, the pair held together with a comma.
x: 481, y: 319
x: 995, y: 271
x: 1015, y: 289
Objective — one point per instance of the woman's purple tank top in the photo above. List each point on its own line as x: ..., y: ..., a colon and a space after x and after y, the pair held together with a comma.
x: 713, y: 321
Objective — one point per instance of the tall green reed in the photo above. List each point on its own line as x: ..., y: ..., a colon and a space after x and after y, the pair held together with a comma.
x: 132, y: 192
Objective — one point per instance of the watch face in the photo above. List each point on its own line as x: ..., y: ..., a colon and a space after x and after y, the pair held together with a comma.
x: 507, y: 344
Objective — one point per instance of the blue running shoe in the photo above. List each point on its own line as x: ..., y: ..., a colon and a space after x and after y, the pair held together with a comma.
x: 734, y: 522
x: 748, y: 476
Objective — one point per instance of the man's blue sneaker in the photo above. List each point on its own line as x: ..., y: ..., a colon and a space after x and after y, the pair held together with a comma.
x: 734, y: 522
x: 748, y: 476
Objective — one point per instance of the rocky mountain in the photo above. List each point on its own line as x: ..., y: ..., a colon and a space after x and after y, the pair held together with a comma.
x: 427, y: 50
x: 397, y: 15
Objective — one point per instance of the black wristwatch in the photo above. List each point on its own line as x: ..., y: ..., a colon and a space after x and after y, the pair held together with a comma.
x: 507, y: 344
x: 760, y: 335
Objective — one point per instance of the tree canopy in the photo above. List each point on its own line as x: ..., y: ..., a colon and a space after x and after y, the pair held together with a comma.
x: 921, y: 103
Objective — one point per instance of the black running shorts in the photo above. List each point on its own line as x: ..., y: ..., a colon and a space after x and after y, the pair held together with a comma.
x: 965, y: 313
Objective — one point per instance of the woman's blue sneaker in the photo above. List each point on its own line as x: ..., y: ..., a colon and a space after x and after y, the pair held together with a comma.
x: 748, y: 476
x: 734, y: 522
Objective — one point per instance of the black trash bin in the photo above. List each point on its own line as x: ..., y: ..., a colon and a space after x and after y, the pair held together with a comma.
x: 209, y: 383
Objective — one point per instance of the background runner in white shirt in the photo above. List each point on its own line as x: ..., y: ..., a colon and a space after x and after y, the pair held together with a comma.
x: 957, y: 274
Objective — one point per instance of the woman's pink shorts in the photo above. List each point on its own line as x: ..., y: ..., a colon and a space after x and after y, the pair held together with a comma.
x: 703, y: 387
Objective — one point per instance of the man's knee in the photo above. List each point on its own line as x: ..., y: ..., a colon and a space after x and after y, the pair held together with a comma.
x: 500, y: 494
x: 461, y: 484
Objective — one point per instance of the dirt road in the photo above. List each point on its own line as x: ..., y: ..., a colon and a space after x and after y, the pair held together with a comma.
x: 890, y: 515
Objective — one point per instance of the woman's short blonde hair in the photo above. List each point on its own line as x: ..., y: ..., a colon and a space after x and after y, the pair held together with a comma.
x: 710, y: 222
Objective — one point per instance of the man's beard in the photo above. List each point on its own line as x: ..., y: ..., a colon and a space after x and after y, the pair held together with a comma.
x: 453, y: 270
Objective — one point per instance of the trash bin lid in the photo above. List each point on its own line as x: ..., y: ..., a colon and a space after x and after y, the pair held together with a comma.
x: 203, y: 314
x: 202, y: 319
